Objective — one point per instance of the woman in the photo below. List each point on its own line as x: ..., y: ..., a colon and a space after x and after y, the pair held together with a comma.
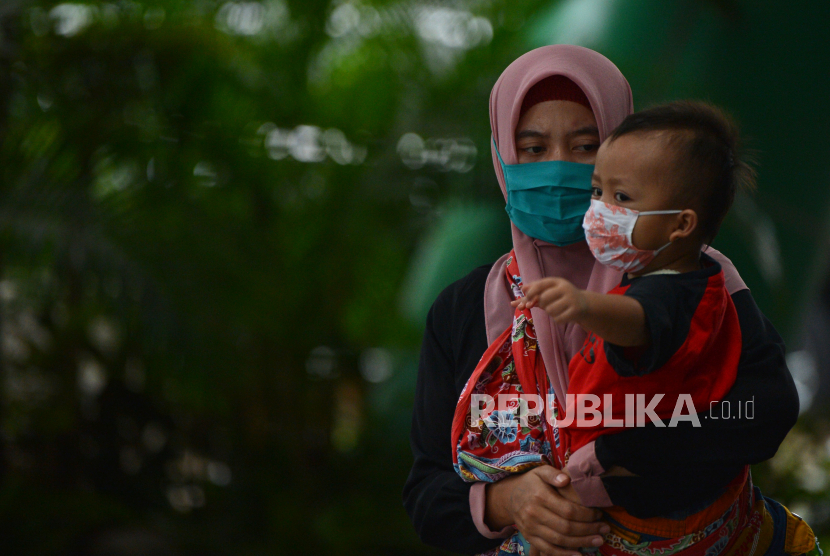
x: 536, y: 117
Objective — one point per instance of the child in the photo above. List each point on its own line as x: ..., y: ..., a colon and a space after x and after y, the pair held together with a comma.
x: 662, y: 183
x: 669, y: 328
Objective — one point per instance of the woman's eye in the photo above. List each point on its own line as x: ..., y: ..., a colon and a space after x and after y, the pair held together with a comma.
x: 596, y: 192
x: 589, y: 148
x: 621, y: 197
x: 536, y: 149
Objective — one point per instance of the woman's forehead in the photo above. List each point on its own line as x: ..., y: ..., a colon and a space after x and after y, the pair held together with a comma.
x: 556, y: 117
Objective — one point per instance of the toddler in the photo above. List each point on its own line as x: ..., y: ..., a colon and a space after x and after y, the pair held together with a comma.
x: 662, y: 183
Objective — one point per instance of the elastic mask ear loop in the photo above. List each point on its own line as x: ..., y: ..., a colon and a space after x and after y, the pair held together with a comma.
x: 639, y: 214
x: 498, y: 154
x: 657, y: 252
x: 659, y: 212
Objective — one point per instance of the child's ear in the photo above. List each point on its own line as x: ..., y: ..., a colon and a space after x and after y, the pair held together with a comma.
x: 685, y: 224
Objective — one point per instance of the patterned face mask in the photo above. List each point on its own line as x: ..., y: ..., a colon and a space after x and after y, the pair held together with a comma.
x: 608, y: 230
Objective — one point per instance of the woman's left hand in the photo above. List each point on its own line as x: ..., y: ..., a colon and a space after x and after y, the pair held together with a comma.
x: 568, y: 491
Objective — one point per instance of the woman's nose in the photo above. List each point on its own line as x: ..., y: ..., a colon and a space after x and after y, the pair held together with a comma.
x: 558, y: 152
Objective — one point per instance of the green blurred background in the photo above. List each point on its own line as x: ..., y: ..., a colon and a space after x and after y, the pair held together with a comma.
x: 222, y: 224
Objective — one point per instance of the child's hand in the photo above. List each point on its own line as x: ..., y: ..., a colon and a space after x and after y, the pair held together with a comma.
x: 523, y: 303
x: 560, y: 299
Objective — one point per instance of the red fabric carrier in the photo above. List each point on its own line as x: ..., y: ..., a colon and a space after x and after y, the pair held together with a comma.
x: 704, y: 367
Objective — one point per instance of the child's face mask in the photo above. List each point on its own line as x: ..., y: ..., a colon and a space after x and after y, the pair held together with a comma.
x: 608, y: 230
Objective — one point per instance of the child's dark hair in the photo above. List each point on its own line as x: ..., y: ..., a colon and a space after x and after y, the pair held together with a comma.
x: 708, y: 157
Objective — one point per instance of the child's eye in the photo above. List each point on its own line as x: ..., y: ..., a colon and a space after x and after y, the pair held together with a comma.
x: 596, y: 192
x: 621, y: 197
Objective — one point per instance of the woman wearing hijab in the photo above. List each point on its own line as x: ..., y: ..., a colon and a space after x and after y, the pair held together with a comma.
x: 557, y: 103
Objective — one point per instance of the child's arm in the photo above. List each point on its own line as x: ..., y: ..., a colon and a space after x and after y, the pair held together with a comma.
x: 617, y: 319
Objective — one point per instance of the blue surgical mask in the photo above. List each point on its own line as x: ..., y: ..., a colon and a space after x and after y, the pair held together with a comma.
x: 548, y: 200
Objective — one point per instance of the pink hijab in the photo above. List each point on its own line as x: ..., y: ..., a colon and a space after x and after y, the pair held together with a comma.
x: 610, y: 97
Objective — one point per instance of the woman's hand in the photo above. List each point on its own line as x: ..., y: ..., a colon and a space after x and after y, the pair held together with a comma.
x: 538, y: 504
x: 568, y: 491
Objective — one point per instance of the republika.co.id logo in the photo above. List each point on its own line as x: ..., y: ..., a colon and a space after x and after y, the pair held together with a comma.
x: 588, y: 410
